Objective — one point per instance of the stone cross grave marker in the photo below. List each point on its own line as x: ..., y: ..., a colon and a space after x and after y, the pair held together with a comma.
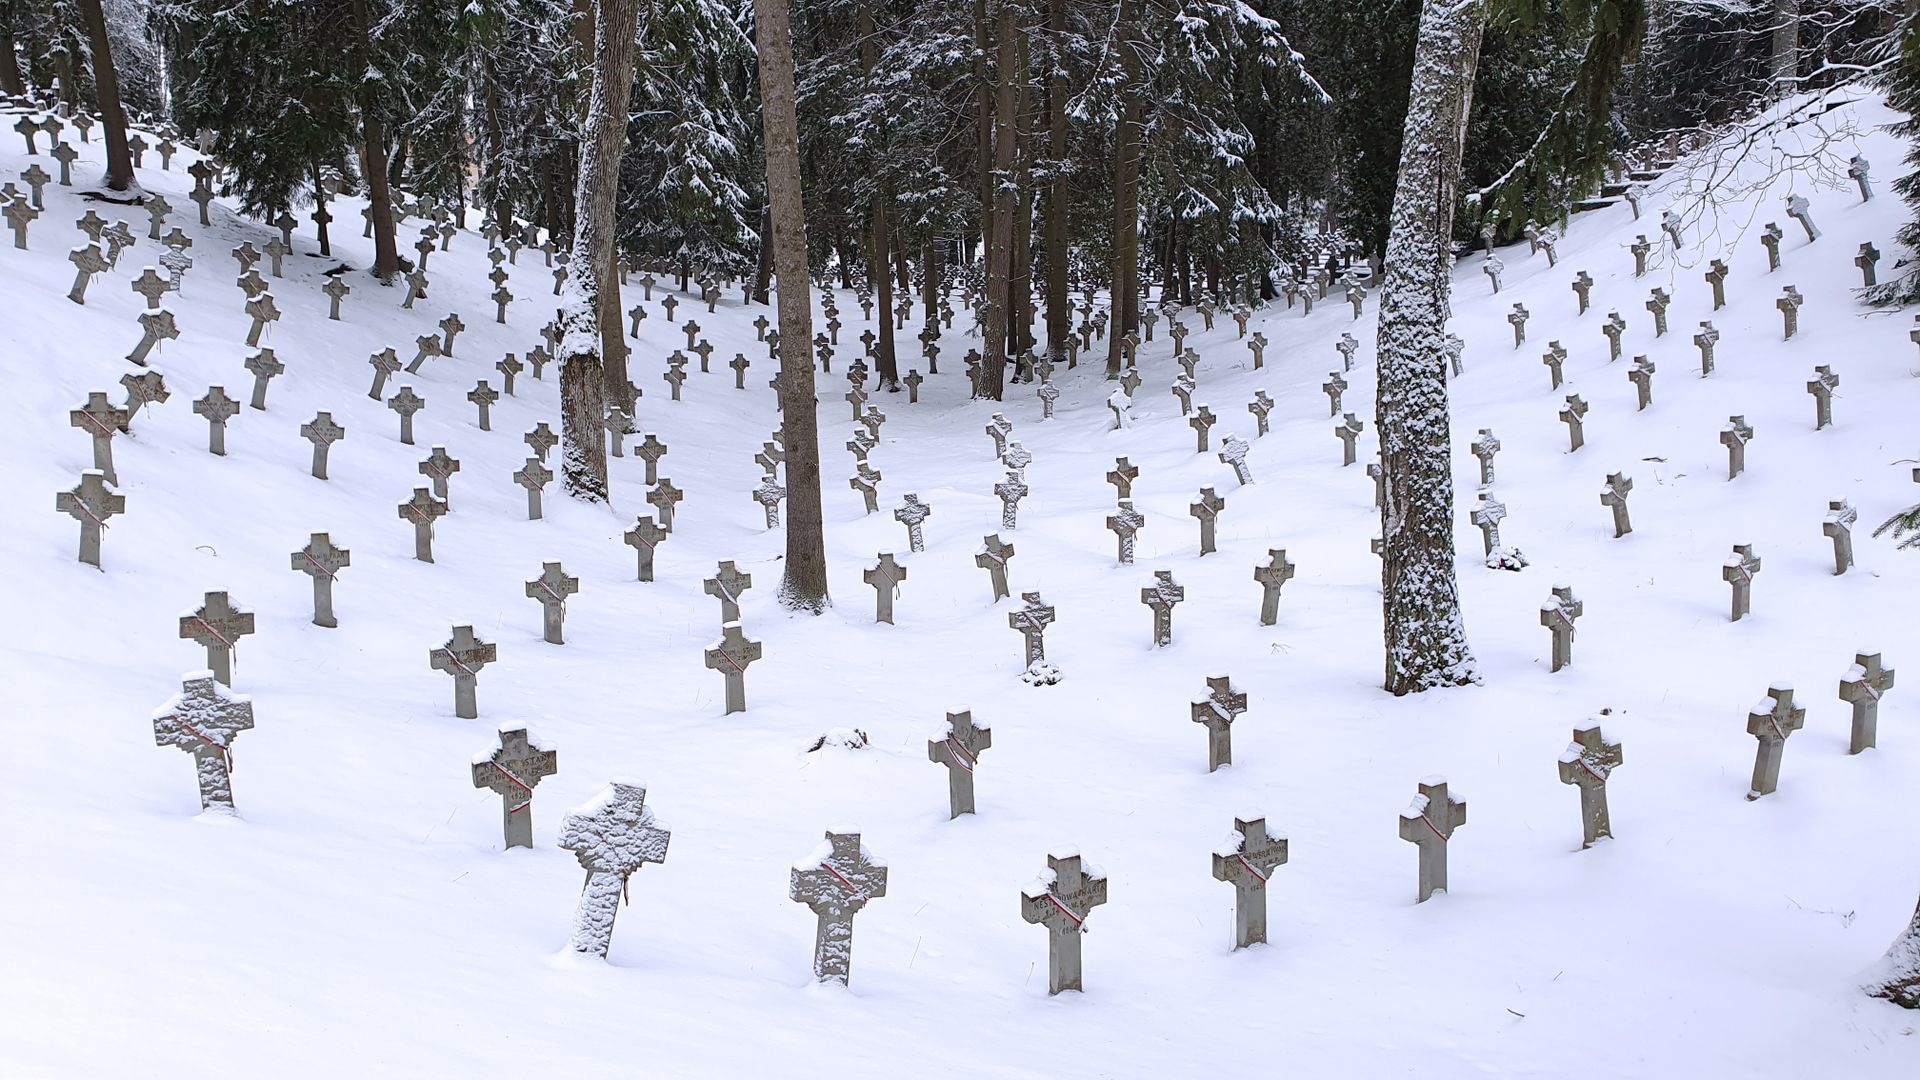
x: 421, y: 511
x: 1862, y: 686
x: 336, y: 291
x: 993, y: 558
x: 1798, y: 210
x: 1207, y: 509
x: 1182, y: 390
x: 1670, y: 224
x: 1010, y: 491
x: 1613, y: 328
x: 416, y: 288
x: 1574, y: 416
x: 1658, y: 303
x: 277, y: 253
x: 1032, y: 621
x: 1124, y: 522
x: 1558, y: 615
x: 1160, y: 597
x: 612, y: 836
x: 541, y: 440
x: 322, y: 561
x: 322, y: 432
x: 1334, y: 387
x: 101, y: 420
x: 1257, y: 344
x: 19, y: 214
x: 1518, y: 319
x: 1582, y: 286
x: 1277, y: 571
x: 1738, y: 571
x: 1704, y: 341
x: 1641, y: 376
x: 1860, y: 172
x: 1221, y: 706
x: 739, y: 364
x: 406, y: 403
x: 959, y: 747
x: 1735, y: 437
x: 250, y: 283
x: 483, y: 397
x: 150, y: 285
x: 1641, y: 248
x: 1201, y: 422
x: 911, y: 513
x: 1770, y: 723
x: 552, y: 590
x: 731, y: 656
x: 203, y: 719
x: 512, y: 770
x: 1789, y: 305
x: 1487, y: 517
x: 1493, y: 268
x: 1122, y: 476
x: 463, y: 656
x: 1060, y: 900
x: 1485, y: 446
x: 450, y: 328
x: 866, y: 481
x: 217, y: 408
x: 1430, y: 822
x: 1717, y: 277
x: 1233, y: 453
x: 728, y: 584
x: 1346, y: 346
x: 1822, y: 386
x: 885, y: 576
x: 1770, y: 238
x: 998, y: 428
x: 768, y: 495
x: 836, y: 881
x: 533, y: 476
x: 384, y: 363
x: 87, y: 261
x: 264, y: 366
x: 92, y: 503
x: 644, y: 537
x: 1246, y: 861
x: 1839, y: 527
x: 1868, y: 258
x: 508, y: 366
x: 1260, y: 406
x: 1587, y: 763
x: 1048, y: 395
x: 262, y: 310
x: 65, y: 155
x: 1347, y: 431
x: 219, y: 626
x: 426, y: 347
x: 618, y: 425
x: 1556, y: 362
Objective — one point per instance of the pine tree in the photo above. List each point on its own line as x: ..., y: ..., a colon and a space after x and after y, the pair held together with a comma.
x: 1901, y: 84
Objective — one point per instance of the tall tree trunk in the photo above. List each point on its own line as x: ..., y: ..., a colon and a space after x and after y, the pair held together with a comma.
x: 1425, y: 637
x: 763, y: 264
x: 983, y: 115
x: 1125, y: 314
x: 373, y: 153
x: 805, y: 584
x: 1899, y: 978
x: 106, y: 87
x: 1020, y: 258
x: 1054, y: 239
x: 11, y: 81
x: 932, y: 257
x: 582, y: 349
x: 1783, y: 61
x: 886, y: 367
x: 996, y: 312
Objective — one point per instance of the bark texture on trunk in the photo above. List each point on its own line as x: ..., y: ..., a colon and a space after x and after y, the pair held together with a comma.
x: 373, y: 156
x: 886, y: 367
x: 996, y: 311
x: 582, y: 341
x: 1898, y: 979
x: 763, y: 265
x: 1425, y: 637
x: 106, y: 87
x: 11, y: 81
x: 805, y: 584
x: 1783, y: 59
x: 1126, y: 190
x: 1054, y: 237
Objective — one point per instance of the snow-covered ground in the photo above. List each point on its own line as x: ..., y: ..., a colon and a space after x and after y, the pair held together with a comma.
x: 360, y: 913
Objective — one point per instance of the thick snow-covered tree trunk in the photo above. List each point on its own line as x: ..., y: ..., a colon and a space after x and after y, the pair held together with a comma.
x: 1126, y: 188
x: 1783, y: 60
x: 805, y: 585
x: 106, y: 88
x: 1898, y: 979
x: 1054, y: 237
x: 373, y: 150
x: 1426, y: 640
x: 997, y: 308
x: 582, y: 367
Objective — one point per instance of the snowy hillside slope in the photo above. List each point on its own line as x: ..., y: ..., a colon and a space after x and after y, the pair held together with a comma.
x: 359, y: 911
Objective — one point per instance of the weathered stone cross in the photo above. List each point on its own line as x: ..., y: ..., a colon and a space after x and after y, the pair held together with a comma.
x: 1641, y: 376
x: 1574, y: 415
x: 911, y: 513
x: 1124, y: 522
x: 644, y: 537
x: 1822, y: 386
x: 1347, y: 431
x: 203, y: 720
x: 322, y: 432
x: 512, y: 771
x: 91, y: 503
x: 993, y: 559
x: 1161, y: 597
x: 102, y: 420
x: 1061, y: 900
x: 551, y: 589
x: 959, y: 747
x: 463, y: 656
x: 664, y: 498
x: 219, y: 626
x: 1122, y: 476
x: 836, y: 881
x: 1771, y: 722
x: 1218, y: 710
x: 406, y: 403
x: 612, y: 836
x: 1738, y: 572
x: 1839, y: 526
x: 731, y: 656
x: 1430, y: 823
x: 1246, y: 861
x: 1558, y: 615
x: 728, y: 583
x: 483, y: 397
x: 422, y: 510
x: 1587, y: 762
x: 1862, y: 686
x: 533, y: 476
x: 322, y: 561
x: 1032, y: 622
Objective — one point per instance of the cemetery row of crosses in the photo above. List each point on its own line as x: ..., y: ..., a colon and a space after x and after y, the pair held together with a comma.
x: 609, y: 298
